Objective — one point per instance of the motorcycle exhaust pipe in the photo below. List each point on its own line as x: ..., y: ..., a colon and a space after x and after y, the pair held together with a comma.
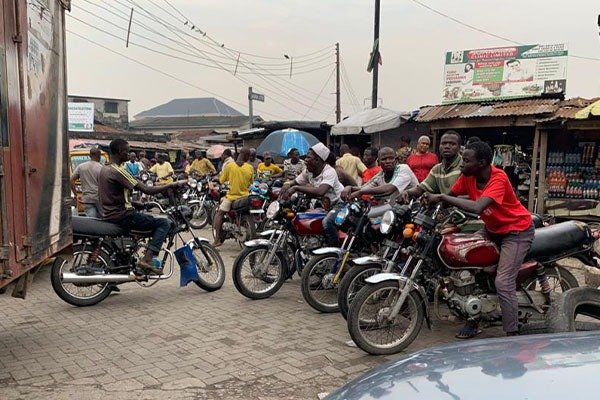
x: 69, y: 277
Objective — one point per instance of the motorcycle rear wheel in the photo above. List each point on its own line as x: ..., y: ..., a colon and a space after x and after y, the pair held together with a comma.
x: 80, y: 295
x: 317, y: 287
x: 352, y: 282
x: 259, y: 286
x: 558, y: 284
x: 248, y: 227
x: 210, y: 276
x: 366, y: 323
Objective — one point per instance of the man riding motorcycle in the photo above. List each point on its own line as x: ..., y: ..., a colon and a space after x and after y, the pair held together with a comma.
x: 319, y: 180
x: 115, y: 184
x: 507, y: 223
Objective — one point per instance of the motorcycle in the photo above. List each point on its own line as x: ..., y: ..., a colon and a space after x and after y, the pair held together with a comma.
x: 104, y: 254
x: 458, y: 269
x: 265, y: 263
x: 198, y: 197
x: 239, y: 223
x: 327, y: 266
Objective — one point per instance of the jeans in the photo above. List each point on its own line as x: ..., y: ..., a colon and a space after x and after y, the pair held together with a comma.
x: 331, y: 232
x: 160, y: 227
x: 514, y: 246
x: 92, y: 211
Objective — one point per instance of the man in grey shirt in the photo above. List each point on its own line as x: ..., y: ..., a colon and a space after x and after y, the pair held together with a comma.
x: 88, y: 173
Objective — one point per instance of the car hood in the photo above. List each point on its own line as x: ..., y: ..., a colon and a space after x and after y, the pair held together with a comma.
x: 526, y: 367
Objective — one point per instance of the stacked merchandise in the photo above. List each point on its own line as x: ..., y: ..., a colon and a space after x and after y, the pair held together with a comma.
x: 574, y: 175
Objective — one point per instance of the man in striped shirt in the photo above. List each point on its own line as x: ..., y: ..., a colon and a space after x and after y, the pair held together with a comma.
x: 443, y: 175
x: 115, y: 184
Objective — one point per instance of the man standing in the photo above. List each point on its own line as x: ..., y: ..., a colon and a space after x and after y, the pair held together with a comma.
x: 115, y: 184
x: 253, y: 160
x: 351, y: 164
x: 444, y: 175
x: 267, y: 170
x: 405, y: 150
x: 163, y: 170
x: 370, y: 159
x: 239, y: 174
x: 507, y: 223
x: 144, y: 160
x: 133, y: 166
x: 393, y: 179
x: 318, y: 180
x: 88, y: 173
x: 293, y: 165
x: 226, y: 158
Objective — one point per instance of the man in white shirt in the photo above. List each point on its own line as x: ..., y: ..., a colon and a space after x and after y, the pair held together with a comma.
x: 318, y: 180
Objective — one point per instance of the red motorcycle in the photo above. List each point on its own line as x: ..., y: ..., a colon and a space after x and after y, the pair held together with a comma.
x: 265, y: 263
x: 459, y: 269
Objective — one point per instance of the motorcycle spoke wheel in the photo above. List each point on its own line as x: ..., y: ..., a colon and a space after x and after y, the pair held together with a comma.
x: 352, y: 283
x: 211, y: 269
x: 369, y: 323
x: 253, y: 278
x: 318, y: 288
x: 560, y: 281
x: 199, y: 218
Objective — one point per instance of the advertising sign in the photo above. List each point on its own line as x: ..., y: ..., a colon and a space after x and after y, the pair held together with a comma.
x: 81, y: 117
x: 504, y: 73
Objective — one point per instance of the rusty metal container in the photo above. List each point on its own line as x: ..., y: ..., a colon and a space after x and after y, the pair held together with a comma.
x: 34, y: 190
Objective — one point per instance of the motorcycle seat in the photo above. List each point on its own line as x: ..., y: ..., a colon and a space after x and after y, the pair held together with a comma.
x: 538, y: 221
x: 241, y: 203
x: 95, y: 227
x: 556, y: 239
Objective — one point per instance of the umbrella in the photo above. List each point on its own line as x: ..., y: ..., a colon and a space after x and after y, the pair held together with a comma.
x: 280, y: 142
x: 215, y: 151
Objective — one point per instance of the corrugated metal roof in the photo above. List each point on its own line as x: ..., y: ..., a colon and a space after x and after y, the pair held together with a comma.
x: 203, y: 106
x: 189, y: 122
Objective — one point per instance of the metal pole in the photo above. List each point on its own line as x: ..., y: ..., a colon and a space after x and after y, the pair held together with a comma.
x: 338, y: 103
x: 250, y: 117
x: 376, y: 59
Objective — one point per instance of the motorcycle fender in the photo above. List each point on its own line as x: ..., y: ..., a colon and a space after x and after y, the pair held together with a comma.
x: 270, y: 232
x: 257, y: 243
x: 388, y: 276
x: 201, y: 239
x: 257, y: 211
x: 587, y: 259
x: 329, y: 250
x: 368, y: 260
x: 194, y: 202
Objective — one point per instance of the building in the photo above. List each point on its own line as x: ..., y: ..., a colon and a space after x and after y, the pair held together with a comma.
x: 191, y: 115
x: 107, y: 111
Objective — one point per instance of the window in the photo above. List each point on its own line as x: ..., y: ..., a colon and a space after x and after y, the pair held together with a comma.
x: 111, y: 107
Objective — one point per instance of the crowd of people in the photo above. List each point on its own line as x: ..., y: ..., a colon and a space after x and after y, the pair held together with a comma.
x: 465, y: 177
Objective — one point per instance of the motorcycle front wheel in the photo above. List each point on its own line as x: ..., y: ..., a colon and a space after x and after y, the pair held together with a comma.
x: 371, y: 328
x: 200, y: 216
x: 210, y: 266
x: 317, y: 284
x: 255, y: 280
x: 352, y: 282
x: 80, y: 294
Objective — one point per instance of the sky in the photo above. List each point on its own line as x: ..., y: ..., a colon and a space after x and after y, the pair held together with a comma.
x: 413, y: 41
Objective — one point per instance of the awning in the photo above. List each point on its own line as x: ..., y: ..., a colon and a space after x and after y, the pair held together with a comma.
x: 591, y: 110
x: 370, y: 121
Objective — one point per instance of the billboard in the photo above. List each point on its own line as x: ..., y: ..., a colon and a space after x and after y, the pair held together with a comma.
x: 81, y: 117
x: 504, y: 73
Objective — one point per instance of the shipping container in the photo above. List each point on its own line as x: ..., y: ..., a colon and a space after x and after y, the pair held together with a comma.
x: 34, y: 189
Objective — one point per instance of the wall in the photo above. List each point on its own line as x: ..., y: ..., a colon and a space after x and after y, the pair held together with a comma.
x: 119, y: 120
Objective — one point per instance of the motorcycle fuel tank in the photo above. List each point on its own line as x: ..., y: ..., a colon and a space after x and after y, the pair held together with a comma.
x: 468, y: 251
x: 309, y: 223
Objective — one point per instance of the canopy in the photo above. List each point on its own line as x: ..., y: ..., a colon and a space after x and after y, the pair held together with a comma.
x: 591, y: 110
x: 370, y: 121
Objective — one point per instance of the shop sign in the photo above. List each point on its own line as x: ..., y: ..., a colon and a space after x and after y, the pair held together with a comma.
x: 504, y: 73
x: 81, y: 117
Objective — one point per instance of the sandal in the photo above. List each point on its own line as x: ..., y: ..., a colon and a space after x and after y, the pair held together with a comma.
x: 468, y: 331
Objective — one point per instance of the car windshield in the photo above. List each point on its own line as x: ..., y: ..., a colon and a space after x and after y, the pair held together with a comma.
x: 80, y: 159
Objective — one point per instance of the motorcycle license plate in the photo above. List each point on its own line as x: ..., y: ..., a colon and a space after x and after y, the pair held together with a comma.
x: 391, y: 244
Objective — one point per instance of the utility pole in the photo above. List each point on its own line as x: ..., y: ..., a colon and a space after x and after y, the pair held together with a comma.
x: 251, y: 117
x: 338, y: 102
x: 376, y: 56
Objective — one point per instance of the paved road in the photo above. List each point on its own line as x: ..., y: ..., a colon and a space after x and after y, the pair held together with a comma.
x: 179, y: 343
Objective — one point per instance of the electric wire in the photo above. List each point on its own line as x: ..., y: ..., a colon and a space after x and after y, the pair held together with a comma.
x: 320, y: 92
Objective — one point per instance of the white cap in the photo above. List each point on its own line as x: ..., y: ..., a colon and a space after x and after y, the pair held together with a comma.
x: 321, y: 150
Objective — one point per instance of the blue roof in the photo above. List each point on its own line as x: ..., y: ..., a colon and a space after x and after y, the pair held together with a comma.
x: 196, y: 107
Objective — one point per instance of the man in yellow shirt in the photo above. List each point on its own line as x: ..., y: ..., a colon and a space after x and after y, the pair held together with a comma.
x: 201, y: 165
x: 163, y: 170
x: 239, y: 174
x: 351, y: 164
x: 267, y: 170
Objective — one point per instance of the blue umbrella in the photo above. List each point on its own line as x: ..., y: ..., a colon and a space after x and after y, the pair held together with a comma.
x: 280, y: 142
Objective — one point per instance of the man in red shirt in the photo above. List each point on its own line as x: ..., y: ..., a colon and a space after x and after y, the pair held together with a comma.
x: 507, y: 223
x: 370, y: 161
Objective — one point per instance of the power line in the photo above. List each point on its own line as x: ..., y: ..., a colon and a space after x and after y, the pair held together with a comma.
x: 320, y: 92
x: 487, y: 32
x: 352, y: 96
x: 166, y: 73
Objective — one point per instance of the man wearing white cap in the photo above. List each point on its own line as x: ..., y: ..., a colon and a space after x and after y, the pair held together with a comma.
x: 318, y: 180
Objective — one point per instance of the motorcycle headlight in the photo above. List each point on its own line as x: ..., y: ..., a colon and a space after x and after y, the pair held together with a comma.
x: 144, y: 177
x: 272, y: 209
x: 387, y: 221
x: 192, y: 183
x: 149, y: 183
x: 341, y: 216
